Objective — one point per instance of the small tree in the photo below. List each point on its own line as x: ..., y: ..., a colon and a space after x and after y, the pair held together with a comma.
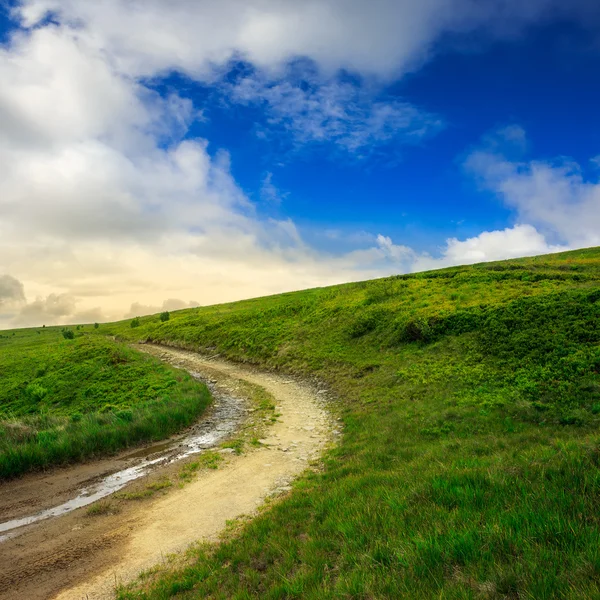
x: 135, y: 323
x: 165, y: 316
x: 68, y: 334
x: 96, y: 325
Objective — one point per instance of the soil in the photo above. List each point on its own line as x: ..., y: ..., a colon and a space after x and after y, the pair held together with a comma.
x: 79, y: 556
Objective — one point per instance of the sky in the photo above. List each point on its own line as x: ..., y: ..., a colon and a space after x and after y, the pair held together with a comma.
x: 158, y: 155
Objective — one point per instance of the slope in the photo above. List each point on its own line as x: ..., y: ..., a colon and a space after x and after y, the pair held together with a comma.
x: 470, y: 399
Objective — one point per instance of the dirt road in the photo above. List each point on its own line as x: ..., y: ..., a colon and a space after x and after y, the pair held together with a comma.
x: 81, y: 556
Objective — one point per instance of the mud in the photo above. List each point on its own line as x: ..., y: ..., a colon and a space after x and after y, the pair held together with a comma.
x: 224, y: 417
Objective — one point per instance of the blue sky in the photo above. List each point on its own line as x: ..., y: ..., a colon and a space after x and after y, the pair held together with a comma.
x: 419, y: 193
x: 166, y: 154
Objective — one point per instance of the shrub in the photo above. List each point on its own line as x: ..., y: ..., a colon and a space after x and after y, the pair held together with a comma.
x: 135, y: 323
x: 417, y: 330
x: 365, y: 323
x: 68, y: 334
x: 165, y: 316
x: 36, y: 392
x: 125, y: 415
x: 96, y: 325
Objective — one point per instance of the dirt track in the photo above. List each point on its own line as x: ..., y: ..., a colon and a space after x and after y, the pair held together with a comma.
x: 77, y: 556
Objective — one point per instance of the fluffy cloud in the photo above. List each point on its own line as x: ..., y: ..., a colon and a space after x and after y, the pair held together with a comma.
x: 379, y: 37
x: 553, y: 196
x: 512, y: 242
x: 50, y: 309
x: 139, y: 310
x: 11, y: 290
x: 12, y: 297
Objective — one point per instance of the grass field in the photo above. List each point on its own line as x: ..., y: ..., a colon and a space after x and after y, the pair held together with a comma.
x: 469, y: 464
x: 470, y: 399
x: 64, y: 400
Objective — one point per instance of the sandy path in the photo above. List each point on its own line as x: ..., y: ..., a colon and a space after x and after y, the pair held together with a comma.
x: 142, y: 536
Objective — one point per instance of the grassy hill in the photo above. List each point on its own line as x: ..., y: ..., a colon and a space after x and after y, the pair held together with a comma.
x: 468, y: 468
x: 470, y: 399
x: 63, y: 400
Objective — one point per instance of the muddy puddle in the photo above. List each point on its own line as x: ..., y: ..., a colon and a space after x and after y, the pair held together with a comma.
x: 223, y: 418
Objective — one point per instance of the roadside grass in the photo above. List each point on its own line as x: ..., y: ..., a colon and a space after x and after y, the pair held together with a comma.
x: 263, y: 414
x: 65, y: 400
x: 469, y: 463
x: 102, y: 508
x: 156, y: 486
x: 206, y: 460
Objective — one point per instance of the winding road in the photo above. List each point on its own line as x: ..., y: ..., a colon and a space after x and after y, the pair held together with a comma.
x: 77, y: 556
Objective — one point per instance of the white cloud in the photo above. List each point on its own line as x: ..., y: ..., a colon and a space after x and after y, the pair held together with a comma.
x: 380, y: 37
x: 553, y: 196
x: 343, y: 114
x: 269, y: 192
x: 512, y: 242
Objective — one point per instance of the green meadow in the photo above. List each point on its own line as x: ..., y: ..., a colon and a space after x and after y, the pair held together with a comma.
x: 74, y: 397
x: 468, y: 467
x: 469, y: 461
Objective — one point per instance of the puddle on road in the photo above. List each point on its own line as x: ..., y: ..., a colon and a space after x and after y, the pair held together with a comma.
x: 226, y: 414
x: 145, y: 452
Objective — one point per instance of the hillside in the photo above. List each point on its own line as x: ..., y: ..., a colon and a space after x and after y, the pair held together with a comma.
x: 470, y: 399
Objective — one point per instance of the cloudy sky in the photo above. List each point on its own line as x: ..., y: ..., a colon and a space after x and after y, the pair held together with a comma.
x: 168, y: 153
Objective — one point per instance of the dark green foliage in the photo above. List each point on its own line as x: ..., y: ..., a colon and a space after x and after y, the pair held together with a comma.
x: 165, y: 316
x: 68, y: 334
x: 96, y: 325
x: 135, y: 323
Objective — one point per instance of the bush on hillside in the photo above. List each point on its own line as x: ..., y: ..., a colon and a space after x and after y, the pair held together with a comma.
x: 68, y: 334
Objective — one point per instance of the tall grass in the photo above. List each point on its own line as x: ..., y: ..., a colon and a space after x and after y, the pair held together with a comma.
x: 27, y: 445
x: 67, y: 401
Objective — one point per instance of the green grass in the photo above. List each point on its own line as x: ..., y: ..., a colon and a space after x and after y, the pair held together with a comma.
x: 102, y: 508
x: 206, y: 460
x: 469, y: 464
x: 65, y: 400
x: 157, y: 486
